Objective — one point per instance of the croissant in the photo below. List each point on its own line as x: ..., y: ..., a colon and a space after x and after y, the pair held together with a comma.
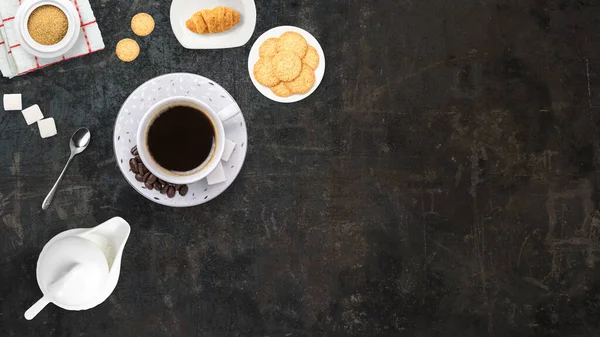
x: 215, y: 20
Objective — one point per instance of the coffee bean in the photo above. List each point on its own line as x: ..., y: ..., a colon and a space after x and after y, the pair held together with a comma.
x: 156, y: 186
x: 163, y: 189
x: 183, y: 190
x: 138, y: 159
x: 134, y: 150
x: 141, y: 169
x: 176, y: 186
x: 139, y: 177
x: 147, y: 176
x: 152, y: 179
x: 133, y: 166
x: 149, y: 186
x: 171, y: 192
x: 162, y: 182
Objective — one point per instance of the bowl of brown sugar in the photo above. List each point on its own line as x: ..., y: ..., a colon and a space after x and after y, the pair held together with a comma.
x: 48, y: 28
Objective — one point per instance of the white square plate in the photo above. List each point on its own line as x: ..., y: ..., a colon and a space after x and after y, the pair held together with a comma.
x: 182, y: 10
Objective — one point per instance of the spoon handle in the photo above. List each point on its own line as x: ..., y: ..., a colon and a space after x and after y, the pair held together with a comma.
x: 50, y: 195
x: 36, y: 308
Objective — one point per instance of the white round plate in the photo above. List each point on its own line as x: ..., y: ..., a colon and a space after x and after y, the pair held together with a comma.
x: 182, y: 10
x: 276, y: 32
x: 178, y: 84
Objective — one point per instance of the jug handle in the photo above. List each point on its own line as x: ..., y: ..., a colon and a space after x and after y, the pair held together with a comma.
x: 36, y: 308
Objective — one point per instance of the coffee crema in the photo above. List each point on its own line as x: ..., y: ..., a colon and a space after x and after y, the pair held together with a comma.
x: 181, y: 138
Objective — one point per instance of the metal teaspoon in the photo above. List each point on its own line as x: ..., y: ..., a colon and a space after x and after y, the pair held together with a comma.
x: 79, y: 142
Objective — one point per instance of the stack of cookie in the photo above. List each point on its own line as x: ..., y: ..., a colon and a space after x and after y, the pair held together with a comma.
x: 287, y: 65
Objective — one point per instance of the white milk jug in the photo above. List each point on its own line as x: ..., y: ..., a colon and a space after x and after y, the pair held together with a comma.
x: 79, y: 268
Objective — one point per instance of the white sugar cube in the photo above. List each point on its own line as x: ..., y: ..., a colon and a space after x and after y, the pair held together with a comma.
x: 216, y: 176
x: 47, y: 127
x: 12, y: 102
x: 229, y: 146
x: 32, y: 114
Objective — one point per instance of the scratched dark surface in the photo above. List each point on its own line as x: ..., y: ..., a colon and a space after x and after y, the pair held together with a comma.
x: 442, y: 181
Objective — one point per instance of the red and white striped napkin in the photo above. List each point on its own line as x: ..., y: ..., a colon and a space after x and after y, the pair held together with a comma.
x: 14, y: 60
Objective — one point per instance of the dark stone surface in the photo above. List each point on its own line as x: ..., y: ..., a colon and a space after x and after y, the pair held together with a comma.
x: 442, y: 181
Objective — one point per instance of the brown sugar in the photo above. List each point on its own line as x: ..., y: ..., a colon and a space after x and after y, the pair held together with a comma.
x: 47, y: 25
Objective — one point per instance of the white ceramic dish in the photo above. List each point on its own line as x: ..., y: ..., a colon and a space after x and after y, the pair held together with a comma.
x: 182, y: 10
x: 276, y: 32
x: 172, y: 85
x: 40, y: 50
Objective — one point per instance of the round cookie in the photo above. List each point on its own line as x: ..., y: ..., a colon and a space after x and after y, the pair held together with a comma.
x: 281, y: 90
x: 268, y: 48
x: 311, y: 58
x: 127, y: 50
x: 294, y: 42
x: 304, y: 82
x: 263, y: 72
x: 287, y: 65
x: 142, y: 24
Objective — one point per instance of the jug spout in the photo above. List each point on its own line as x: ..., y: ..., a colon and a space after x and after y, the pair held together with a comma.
x: 110, y: 237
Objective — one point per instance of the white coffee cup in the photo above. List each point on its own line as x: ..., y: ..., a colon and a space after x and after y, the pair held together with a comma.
x: 215, y: 155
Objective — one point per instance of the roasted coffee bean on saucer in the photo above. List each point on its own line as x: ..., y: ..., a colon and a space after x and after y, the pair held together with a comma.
x: 152, y: 182
x: 183, y: 190
x: 171, y: 192
x: 133, y: 165
x: 152, y: 179
x: 141, y: 169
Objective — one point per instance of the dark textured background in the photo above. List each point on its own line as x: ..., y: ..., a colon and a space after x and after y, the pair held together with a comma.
x: 442, y: 181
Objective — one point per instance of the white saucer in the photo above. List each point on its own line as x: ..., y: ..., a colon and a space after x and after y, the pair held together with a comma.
x: 178, y: 84
x: 276, y: 32
x: 182, y: 10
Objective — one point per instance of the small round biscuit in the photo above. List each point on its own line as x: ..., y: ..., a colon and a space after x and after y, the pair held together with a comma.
x: 294, y: 42
x: 304, y: 82
x: 268, y: 48
x: 287, y: 65
x: 127, y: 50
x: 142, y: 24
x: 263, y: 72
x: 312, y: 58
x: 281, y: 90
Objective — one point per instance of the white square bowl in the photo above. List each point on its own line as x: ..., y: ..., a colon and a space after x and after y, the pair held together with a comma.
x: 182, y: 10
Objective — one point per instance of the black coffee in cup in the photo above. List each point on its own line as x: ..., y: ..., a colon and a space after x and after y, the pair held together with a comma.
x: 181, y: 138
